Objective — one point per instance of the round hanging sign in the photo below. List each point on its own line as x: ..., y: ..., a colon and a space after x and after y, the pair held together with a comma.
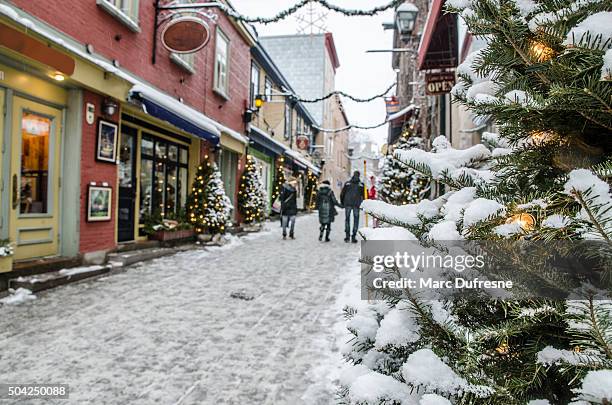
x: 185, y: 35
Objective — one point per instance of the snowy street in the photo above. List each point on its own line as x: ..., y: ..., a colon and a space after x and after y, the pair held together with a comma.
x: 168, y: 331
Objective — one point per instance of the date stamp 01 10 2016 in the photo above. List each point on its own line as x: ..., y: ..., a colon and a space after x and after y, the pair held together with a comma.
x: 32, y: 391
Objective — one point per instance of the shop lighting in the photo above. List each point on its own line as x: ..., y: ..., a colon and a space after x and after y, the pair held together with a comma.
x: 59, y: 77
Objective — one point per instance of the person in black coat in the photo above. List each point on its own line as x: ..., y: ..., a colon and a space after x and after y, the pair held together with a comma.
x: 326, y: 204
x: 351, y: 198
x: 288, y: 200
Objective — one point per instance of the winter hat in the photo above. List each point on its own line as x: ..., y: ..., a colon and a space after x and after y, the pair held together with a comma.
x: 326, y: 182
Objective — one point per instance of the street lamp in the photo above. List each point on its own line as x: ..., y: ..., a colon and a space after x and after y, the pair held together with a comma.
x: 405, y: 17
x: 259, y: 101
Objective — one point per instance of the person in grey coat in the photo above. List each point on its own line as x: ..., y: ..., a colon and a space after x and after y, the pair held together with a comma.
x: 326, y: 204
x: 351, y: 198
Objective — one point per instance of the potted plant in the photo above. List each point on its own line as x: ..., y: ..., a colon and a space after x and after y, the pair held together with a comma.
x: 171, y: 227
x: 6, y: 256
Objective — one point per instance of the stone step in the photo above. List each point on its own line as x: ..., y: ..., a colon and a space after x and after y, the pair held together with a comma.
x: 135, y: 256
x: 54, y: 279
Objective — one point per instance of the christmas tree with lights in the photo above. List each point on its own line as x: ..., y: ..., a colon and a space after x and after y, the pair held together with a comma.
x: 279, y: 178
x: 543, y: 77
x: 209, y: 209
x: 310, y: 192
x: 398, y: 185
x: 252, y: 198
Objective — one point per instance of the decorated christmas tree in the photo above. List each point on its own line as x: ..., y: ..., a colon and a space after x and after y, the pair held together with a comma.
x: 209, y: 209
x: 279, y: 178
x: 400, y: 186
x: 545, y: 177
x: 310, y: 191
x: 252, y: 197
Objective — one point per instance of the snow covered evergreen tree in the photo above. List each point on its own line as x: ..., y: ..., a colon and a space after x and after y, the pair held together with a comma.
x: 279, y: 178
x: 209, y: 209
x: 544, y: 177
x: 400, y: 186
x: 252, y: 197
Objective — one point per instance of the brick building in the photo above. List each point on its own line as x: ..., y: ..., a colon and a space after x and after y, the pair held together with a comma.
x: 100, y: 131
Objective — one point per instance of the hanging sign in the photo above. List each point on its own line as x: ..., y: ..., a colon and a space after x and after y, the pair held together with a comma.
x: 439, y: 83
x: 185, y: 35
x: 303, y: 142
x: 392, y: 104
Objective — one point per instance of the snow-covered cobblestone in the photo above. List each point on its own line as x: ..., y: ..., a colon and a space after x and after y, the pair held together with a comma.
x: 168, y: 332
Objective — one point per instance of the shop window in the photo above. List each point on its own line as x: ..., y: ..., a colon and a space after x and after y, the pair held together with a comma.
x: 254, y: 83
x: 163, y: 177
x: 126, y: 11
x: 35, y: 134
x: 268, y: 89
x: 221, y: 80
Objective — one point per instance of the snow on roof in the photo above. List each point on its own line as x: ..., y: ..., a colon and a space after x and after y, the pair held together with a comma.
x: 401, y: 112
x: 78, y: 49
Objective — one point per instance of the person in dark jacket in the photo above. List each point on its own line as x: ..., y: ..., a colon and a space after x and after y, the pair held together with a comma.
x: 288, y: 199
x: 351, y: 198
x: 326, y: 204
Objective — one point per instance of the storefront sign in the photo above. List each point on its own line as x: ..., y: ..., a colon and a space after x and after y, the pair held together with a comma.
x: 392, y: 104
x: 303, y: 142
x: 185, y: 35
x: 439, y: 83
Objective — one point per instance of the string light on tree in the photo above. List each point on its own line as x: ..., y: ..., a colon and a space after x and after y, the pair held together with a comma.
x: 541, y: 52
x: 279, y: 179
x: 251, y: 195
x: 526, y: 221
x: 209, y: 208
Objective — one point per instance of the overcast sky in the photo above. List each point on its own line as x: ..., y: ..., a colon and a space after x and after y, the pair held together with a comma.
x: 360, y: 74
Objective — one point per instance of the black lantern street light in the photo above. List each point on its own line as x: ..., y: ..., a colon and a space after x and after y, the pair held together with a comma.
x: 405, y: 18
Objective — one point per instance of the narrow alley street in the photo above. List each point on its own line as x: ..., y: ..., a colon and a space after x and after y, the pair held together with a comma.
x: 169, y: 331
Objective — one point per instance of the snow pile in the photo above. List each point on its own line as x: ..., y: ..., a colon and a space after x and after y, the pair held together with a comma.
x: 596, y: 387
x: 510, y: 229
x: 538, y: 402
x: 79, y: 270
x: 444, y: 161
x: 519, y: 97
x: 494, y: 140
x: 525, y: 7
x: 351, y: 372
x: 483, y: 92
x: 445, y: 230
x: 556, y: 221
x: 457, y: 202
x: 19, y: 296
x: 433, y: 399
x: 364, y: 324
x: 409, y: 214
x: 596, y: 29
x: 426, y: 369
x: 481, y: 209
x: 379, y: 388
x: 398, y: 328
x: 549, y: 356
x: 589, y: 189
x: 392, y: 233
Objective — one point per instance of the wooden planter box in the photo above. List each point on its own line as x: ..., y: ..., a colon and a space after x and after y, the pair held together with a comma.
x: 6, y: 264
x: 164, y: 236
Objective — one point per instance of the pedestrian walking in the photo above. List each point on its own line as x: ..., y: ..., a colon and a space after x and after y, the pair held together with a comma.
x: 326, y: 204
x: 288, y: 199
x: 351, y: 198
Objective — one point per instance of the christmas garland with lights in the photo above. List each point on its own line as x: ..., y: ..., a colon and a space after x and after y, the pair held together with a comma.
x: 296, y: 7
x: 343, y: 94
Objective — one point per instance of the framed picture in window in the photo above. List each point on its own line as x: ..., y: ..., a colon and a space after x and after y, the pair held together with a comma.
x: 99, y: 203
x: 106, y: 145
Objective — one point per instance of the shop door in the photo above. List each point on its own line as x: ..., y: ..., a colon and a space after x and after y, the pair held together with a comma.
x: 35, y: 179
x: 127, y: 184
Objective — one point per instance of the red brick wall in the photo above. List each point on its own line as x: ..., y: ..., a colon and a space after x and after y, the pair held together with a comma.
x: 89, y: 24
x: 95, y: 236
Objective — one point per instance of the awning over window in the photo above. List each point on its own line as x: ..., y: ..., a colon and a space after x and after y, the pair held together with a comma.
x: 439, y: 45
x: 265, y: 141
x: 167, y: 109
x: 301, y: 161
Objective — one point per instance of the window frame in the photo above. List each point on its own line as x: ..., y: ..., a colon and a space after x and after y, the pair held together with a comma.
x: 268, y: 88
x: 288, y: 120
x: 130, y: 19
x: 223, y: 91
x: 254, y: 87
x: 166, y: 162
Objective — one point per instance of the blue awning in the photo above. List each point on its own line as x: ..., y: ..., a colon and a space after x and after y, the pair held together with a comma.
x: 178, y: 115
x: 263, y: 140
